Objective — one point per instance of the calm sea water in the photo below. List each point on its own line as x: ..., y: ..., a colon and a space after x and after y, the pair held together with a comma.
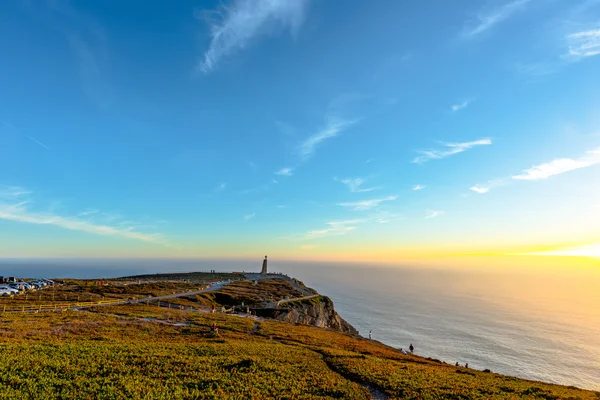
x: 537, y: 325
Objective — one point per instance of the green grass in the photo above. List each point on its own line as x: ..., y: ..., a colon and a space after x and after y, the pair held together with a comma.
x: 122, y: 352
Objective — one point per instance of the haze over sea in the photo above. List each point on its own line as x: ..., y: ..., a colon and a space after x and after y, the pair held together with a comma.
x: 523, y: 322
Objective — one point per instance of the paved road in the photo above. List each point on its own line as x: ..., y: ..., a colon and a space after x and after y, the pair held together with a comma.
x: 216, y: 286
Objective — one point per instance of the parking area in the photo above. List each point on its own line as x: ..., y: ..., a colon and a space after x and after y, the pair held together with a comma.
x: 11, y: 286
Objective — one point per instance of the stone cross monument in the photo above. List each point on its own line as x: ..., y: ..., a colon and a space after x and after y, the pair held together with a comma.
x: 264, y: 267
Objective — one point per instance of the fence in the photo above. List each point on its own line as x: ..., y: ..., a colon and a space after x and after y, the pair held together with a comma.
x: 58, y: 306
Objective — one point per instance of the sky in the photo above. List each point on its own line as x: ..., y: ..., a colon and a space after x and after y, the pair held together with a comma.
x: 301, y: 129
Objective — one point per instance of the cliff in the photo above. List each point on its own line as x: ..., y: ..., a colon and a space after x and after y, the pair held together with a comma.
x: 316, y: 311
x: 281, y: 298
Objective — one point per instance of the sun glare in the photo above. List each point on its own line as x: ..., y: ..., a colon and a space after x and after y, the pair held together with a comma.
x: 592, y: 250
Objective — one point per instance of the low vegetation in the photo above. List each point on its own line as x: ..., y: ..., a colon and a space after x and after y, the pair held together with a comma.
x: 246, y: 291
x: 147, y: 352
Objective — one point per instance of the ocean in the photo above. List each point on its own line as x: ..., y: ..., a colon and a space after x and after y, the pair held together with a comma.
x: 533, y: 324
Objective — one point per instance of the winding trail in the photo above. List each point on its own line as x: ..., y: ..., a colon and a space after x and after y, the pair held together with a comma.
x: 211, y: 288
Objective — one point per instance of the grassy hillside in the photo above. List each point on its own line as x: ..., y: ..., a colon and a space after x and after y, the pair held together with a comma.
x: 145, y: 352
x: 246, y: 291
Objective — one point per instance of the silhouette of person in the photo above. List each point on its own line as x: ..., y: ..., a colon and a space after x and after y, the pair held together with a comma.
x: 411, y: 348
x: 370, y: 334
x: 466, y: 365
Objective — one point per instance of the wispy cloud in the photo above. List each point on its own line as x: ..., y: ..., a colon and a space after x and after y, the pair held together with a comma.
x: 354, y: 184
x: 418, y: 187
x: 560, y: 166
x: 487, y: 19
x: 336, y: 122
x: 12, y: 192
x: 221, y: 187
x: 584, y: 44
x: 87, y: 41
x: 333, y: 127
x: 481, y: 189
x: 85, y: 213
x: 385, y: 217
x: 233, y: 27
x: 15, y: 206
x: 448, y: 150
x: 249, y: 216
x: 335, y: 228
x: 344, y: 227
x: 285, y: 172
x: 367, y: 204
x: 433, y: 213
x: 8, y: 127
x: 544, y: 171
x: 486, y: 187
x: 460, y: 106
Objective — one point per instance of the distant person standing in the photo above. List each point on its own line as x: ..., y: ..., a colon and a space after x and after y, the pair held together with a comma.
x: 466, y: 365
x: 370, y: 334
x: 411, y: 348
x: 264, y: 267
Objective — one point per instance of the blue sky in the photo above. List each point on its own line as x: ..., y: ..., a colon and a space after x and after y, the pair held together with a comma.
x: 298, y: 128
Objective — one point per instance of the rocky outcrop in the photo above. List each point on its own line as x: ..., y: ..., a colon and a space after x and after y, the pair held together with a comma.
x: 317, y: 311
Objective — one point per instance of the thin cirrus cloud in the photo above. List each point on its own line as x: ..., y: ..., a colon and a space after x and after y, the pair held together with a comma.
x: 488, y: 19
x: 545, y: 170
x: 8, y: 127
x: 460, y: 106
x: 584, y: 44
x: 355, y: 185
x: 334, y: 228
x: 242, y: 21
x: 333, y: 127
x: 448, y: 150
x: 340, y: 228
x: 367, y: 204
x: 14, y: 206
x: 285, y: 172
x: 559, y: 166
x: 433, y: 214
x: 486, y: 187
x: 418, y: 187
x: 249, y: 216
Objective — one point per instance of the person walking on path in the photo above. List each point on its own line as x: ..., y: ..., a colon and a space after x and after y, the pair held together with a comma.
x: 411, y: 348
